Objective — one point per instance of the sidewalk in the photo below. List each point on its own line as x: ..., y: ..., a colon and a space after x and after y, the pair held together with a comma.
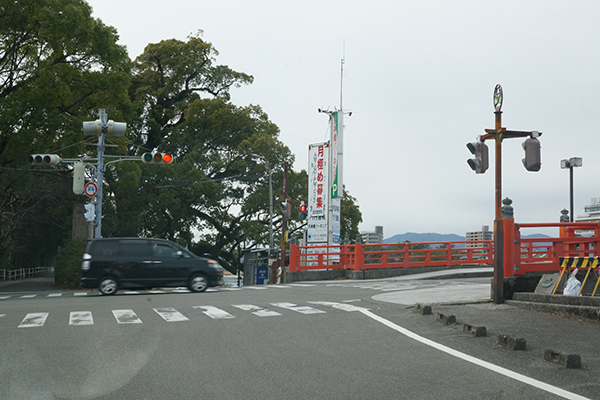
x: 38, y: 284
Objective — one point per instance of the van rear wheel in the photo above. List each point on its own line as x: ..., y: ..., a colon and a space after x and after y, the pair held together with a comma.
x: 198, y: 283
x: 108, y: 286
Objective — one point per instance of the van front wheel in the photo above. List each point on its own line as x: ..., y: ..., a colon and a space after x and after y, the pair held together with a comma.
x: 198, y: 283
x: 108, y: 286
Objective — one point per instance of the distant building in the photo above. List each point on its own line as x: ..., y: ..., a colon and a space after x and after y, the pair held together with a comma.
x: 592, y: 212
x: 477, y: 236
x: 373, y: 237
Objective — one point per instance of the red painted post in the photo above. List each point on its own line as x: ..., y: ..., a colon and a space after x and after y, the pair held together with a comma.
x: 509, y: 247
x: 359, y: 256
x: 294, y: 257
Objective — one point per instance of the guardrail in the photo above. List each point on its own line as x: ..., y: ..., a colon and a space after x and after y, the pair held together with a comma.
x: 15, y: 274
x: 393, y: 255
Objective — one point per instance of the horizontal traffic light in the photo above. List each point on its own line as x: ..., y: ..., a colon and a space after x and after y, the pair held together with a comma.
x: 43, y: 159
x: 157, y: 158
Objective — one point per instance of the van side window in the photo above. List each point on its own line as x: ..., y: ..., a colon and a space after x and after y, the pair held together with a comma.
x: 135, y: 249
x: 105, y: 248
x: 163, y: 250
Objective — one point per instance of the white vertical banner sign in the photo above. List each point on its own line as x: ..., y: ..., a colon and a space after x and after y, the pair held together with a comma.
x: 337, y: 154
x: 318, y: 193
x: 337, y: 188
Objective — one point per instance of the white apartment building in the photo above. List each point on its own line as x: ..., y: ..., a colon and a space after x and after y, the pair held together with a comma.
x: 373, y: 237
x: 483, y: 234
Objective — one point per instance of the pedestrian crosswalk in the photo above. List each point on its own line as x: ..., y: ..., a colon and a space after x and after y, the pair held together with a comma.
x: 170, y: 314
x: 6, y: 296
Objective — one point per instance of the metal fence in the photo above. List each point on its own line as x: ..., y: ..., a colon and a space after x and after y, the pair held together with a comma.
x: 15, y: 274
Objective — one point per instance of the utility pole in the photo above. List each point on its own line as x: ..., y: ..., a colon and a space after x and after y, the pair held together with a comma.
x: 284, y: 232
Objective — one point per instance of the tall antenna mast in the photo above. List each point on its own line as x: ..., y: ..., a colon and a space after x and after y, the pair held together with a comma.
x: 342, y: 72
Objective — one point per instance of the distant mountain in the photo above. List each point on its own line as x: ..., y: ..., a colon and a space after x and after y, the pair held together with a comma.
x: 441, y: 237
x: 424, y: 238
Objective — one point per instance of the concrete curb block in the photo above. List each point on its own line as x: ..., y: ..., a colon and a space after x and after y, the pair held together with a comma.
x: 511, y: 343
x: 590, y: 313
x: 446, y: 319
x: 422, y: 309
x: 571, y: 361
x: 476, y: 331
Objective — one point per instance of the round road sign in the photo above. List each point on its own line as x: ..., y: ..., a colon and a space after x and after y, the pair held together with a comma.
x: 90, y: 189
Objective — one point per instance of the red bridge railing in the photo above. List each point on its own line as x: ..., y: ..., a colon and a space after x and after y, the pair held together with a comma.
x: 521, y: 255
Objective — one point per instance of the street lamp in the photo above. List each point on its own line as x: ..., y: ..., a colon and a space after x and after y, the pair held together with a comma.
x: 256, y: 156
x: 570, y: 163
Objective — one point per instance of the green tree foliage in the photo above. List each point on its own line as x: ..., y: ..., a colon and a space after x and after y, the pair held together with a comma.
x: 215, y: 189
x: 68, y: 262
x: 57, y: 65
x: 351, y: 217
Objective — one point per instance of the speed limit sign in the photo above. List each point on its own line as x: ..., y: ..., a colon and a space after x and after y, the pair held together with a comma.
x: 90, y: 189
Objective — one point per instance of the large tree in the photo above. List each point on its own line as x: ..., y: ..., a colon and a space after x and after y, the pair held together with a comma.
x: 57, y: 65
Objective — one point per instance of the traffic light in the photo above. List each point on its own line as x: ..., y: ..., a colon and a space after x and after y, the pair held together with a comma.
x: 286, y: 209
x: 480, y: 162
x: 157, y: 158
x: 90, y: 212
x: 302, y: 211
x: 43, y: 159
x: 533, y: 154
x: 78, y: 178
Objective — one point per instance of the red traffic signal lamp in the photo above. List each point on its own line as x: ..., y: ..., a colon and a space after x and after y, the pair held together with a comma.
x: 480, y: 162
x: 157, y: 158
x: 302, y: 211
x: 43, y: 159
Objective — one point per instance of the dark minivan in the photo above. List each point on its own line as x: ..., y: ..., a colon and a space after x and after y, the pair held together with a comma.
x: 136, y: 263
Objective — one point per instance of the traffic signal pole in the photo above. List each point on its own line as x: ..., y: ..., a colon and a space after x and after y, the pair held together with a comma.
x: 499, y: 134
x: 100, y: 173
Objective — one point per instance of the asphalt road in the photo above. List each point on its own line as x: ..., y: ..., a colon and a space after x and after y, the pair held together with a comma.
x: 327, y: 340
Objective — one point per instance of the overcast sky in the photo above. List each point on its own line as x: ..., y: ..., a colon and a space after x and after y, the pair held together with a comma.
x: 419, y: 80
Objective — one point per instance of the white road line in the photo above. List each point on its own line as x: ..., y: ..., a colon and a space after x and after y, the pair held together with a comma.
x: 215, y: 313
x: 28, y: 296
x: 280, y: 286
x: 80, y: 294
x: 156, y: 291
x: 339, y: 306
x: 126, y: 317
x: 171, y: 315
x: 301, y: 284
x: 492, y: 367
x: 55, y: 294
x: 255, y: 287
x: 81, y: 318
x: 180, y: 291
x: 231, y: 289
x: 300, y: 309
x: 131, y: 292
x: 33, y: 320
x: 4, y: 297
x: 256, y: 310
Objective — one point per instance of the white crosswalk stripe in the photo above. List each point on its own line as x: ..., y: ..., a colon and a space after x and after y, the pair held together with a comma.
x: 256, y: 310
x: 300, y: 309
x: 215, y: 313
x: 34, y: 320
x: 171, y: 314
x: 28, y: 296
x: 4, y: 297
x: 55, y: 294
x: 81, y: 318
x: 126, y: 317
